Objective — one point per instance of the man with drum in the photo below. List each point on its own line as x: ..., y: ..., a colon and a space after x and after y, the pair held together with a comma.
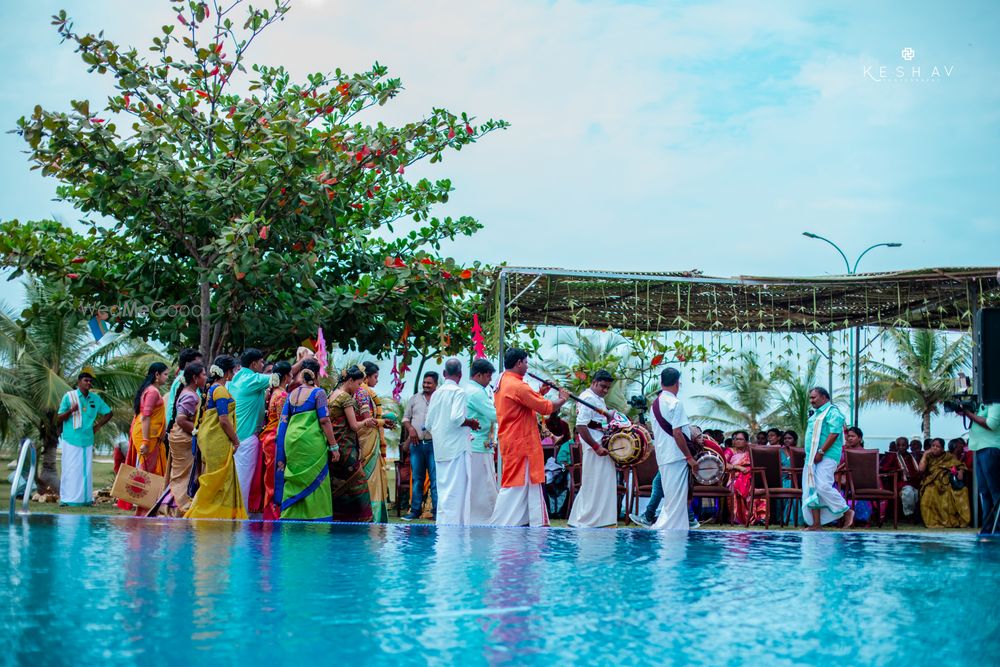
x: 521, y: 501
x: 596, y: 504
x: 671, y: 435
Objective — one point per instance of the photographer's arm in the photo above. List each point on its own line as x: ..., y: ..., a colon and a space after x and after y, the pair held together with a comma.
x: 990, y: 422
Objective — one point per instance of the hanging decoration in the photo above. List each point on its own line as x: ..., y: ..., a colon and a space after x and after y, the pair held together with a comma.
x: 321, y: 354
x: 397, y: 380
x: 478, y: 343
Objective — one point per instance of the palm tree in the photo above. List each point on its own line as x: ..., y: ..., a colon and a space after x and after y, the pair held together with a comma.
x: 924, y: 378
x: 591, y: 353
x: 792, y: 409
x: 753, y: 394
x: 40, y: 357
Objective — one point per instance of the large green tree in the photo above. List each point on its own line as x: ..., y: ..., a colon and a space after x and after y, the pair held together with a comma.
x: 42, y: 352
x: 924, y: 376
x: 257, y: 206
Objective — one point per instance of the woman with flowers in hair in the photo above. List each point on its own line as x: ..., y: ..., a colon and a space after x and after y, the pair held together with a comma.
x: 147, y: 451
x: 262, y: 490
x: 303, y: 445
x: 372, y: 442
x: 348, y: 481
x: 218, y: 495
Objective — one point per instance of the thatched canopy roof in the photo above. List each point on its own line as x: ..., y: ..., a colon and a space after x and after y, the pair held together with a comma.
x: 924, y: 298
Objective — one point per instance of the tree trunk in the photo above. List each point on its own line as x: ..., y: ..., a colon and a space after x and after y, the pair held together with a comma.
x: 47, y: 476
x: 927, y: 424
x: 420, y: 369
x: 205, y: 322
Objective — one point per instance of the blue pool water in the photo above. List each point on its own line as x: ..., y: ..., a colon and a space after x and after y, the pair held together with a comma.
x: 82, y: 590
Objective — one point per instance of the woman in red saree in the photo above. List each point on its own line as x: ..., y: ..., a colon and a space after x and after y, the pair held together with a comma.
x: 147, y: 449
x: 746, y: 510
x: 262, y: 488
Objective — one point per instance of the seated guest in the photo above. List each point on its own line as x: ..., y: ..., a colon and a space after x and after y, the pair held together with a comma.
x: 789, y: 439
x: 760, y: 440
x: 917, y: 450
x: 774, y: 437
x: 941, y: 504
x: 745, y: 509
x: 907, y: 478
x: 853, y: 439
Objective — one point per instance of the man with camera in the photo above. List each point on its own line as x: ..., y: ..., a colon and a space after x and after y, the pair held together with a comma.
x: 984, y: 440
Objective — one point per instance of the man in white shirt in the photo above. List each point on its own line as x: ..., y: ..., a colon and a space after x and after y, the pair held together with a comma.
x: 450, y: 429
x: 596, y: 504
x: 671, y: 435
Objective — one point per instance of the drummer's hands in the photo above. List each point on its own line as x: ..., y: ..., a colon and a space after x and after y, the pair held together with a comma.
x: 692, y: 463
x: 602, y: 451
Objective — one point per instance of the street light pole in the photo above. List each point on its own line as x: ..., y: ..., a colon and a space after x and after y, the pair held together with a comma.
x: 855, y: 339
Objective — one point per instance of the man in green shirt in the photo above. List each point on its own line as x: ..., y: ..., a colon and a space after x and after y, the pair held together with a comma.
x: 82, y: 413
x: 984, y: 440
x: 821, y: 502
x: 483, y: 474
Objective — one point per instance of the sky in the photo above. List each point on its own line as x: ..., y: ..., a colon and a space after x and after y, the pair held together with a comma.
x: 654, y: 136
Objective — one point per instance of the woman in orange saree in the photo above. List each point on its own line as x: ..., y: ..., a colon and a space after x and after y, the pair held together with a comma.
x: 262, y: 490
x: 147, y: 450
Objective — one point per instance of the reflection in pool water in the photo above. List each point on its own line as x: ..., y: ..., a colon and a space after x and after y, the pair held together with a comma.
x: 147, y: 592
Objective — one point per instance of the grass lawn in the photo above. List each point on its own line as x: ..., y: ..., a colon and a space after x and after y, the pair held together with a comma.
x: 104, y: 476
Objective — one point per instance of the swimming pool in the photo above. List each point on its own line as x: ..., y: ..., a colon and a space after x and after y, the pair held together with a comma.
x: 123, y: 591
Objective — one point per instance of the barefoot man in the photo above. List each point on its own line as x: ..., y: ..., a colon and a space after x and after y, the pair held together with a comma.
x: 821, y: 503
x: 521, y: 501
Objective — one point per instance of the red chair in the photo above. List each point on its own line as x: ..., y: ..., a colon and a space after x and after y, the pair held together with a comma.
x: 574, y: 476
x: 641, y: 486
x: 765, y: 464
x: 864, y: 482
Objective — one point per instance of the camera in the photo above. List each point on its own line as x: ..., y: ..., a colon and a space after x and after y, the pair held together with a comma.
x: 639, y: 402
x: 962, y: 403
x: 962, y: 400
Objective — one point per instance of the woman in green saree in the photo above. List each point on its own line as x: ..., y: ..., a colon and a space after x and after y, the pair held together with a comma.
x: 305, y: 444
x: 348, y: 481
x: 942, y: 505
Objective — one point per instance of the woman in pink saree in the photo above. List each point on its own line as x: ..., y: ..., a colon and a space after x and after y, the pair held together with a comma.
x: 745, y: 510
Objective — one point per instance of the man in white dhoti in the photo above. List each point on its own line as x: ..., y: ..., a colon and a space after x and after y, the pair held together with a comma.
x: 596, y: 503
x: 671, y: 438
x: 482, y: 470
x: 821, y: 503
x: 450, y: 429
x: 86, y: 413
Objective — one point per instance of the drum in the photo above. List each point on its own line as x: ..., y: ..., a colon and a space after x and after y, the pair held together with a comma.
x: 627, y: 445
x: 709, y: 469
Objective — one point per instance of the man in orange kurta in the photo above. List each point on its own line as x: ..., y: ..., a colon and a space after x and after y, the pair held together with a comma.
x: 521, y: 501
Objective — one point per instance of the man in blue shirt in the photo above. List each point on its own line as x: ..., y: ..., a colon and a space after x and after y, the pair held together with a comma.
x: 821, y: 502
x: 82, y: 413
x: 483, y: 472
x: 984, y: 441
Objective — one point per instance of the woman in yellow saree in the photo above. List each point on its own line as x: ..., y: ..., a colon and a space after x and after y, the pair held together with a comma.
x: 218, y: 495
x: 146, y: 450
x: 941, y: 504
x: 372, y: 442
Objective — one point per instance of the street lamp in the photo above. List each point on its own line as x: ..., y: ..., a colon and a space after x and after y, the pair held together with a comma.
x: 855, y: 331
